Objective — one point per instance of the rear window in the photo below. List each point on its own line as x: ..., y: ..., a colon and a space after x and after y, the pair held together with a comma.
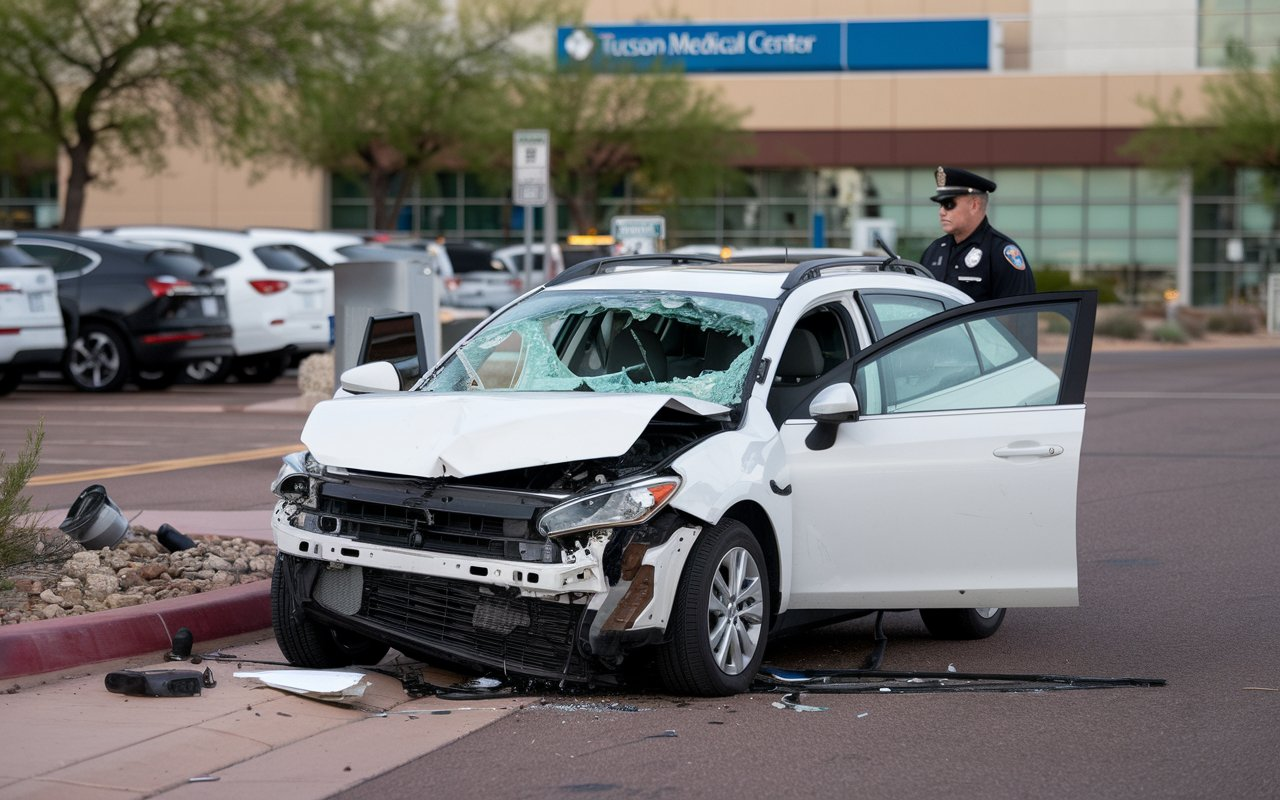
x: 176, y: 263
x: 471, y: 259
x: 283, y: 258
x: 216, y: 256
x: 13, y: 256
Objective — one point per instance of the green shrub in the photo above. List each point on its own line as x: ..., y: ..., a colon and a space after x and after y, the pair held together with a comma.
x: 1170, y: 332
x: 1233, y: 319
x: 1049, y: 279
x: 1119, y: 323
x: 23, y: 544
x: 1194, y: 321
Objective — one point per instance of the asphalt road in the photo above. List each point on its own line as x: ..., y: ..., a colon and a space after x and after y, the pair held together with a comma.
x: 1179, y: 571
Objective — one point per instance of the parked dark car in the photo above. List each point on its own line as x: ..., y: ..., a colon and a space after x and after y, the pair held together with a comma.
x: 146, y: 311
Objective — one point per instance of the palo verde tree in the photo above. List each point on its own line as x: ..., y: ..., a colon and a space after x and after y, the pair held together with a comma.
x: 108, y: 81
x: 411, y: 102
x: 1239, y: 128
x: 670, y: 136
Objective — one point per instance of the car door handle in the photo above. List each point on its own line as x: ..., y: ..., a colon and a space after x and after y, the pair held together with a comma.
x: 1028, y: 451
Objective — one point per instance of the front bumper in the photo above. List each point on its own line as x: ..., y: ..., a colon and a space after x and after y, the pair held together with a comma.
x: 573, y: 620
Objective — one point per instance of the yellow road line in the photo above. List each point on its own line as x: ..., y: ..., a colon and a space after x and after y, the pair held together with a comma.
x: 90, y: 475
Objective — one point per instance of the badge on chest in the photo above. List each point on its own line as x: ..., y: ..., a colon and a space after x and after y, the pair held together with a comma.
x: 972, y: 258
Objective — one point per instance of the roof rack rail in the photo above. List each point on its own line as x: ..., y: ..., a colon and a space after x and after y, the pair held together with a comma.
x: 807, y: 270
x: 596, y: 265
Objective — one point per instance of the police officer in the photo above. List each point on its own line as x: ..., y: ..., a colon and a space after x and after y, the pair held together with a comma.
x: 973, y: 256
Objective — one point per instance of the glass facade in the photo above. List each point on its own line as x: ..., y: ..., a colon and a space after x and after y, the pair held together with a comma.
x: 1118, y: 225
x: 1256, y: 23
x: 28, y: 200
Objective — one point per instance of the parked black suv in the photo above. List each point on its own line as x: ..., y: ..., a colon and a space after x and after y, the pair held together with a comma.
x: 145, y: 310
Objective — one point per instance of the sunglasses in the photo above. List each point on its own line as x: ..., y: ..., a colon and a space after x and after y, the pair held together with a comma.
x: 948, y: 204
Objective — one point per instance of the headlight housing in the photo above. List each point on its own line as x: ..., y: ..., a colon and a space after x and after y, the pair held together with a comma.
x: 294, y: 481
x: 625, y: 505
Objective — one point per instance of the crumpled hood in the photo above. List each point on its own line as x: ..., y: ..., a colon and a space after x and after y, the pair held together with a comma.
x: 433, y: 435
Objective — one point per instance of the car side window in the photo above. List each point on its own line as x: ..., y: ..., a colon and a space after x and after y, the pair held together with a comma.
x: 66, y: 263
x: 889, y: 313
x: 818, y: 344
x: 993, y: 361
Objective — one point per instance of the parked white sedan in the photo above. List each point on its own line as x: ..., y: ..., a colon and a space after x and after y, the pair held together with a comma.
x: 31, y: 328
x: 681, y: 457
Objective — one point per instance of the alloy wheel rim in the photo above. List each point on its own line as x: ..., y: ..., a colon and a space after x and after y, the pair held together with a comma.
x: 95, y: 361
x: 986, y: 613
x: 735, y: 611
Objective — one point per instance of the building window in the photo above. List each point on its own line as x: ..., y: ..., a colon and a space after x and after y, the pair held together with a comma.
x: 1256, y: 23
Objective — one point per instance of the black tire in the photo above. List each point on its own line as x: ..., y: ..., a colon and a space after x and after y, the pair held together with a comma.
x: 208, y: 370
x: 9, y: 380
x: 962, y: 623
x: 688, y: 663
x: 260, y: 369
x: 305, y: 643
x: 98, y: 360
x: 158, y: 380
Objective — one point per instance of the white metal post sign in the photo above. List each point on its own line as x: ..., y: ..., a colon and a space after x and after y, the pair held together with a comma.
x: 530, y: 162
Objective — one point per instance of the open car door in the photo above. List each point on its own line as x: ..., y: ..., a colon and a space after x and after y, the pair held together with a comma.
x: 954, y: 484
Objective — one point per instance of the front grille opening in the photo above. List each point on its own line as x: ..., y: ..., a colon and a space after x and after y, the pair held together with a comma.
x: 435, y: 530
x: 473, y: 622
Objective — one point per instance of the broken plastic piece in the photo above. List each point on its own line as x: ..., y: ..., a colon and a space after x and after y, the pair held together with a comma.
x: 203, y: 779
x: 157, y: 683
x: 792, y: 701
x: 172, y: 539
x: 318, y: 684
x: 181, y: 647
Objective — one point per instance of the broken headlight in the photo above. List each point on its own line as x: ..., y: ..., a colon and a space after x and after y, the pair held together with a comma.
x: 294, y: 481
x: 628, y: 505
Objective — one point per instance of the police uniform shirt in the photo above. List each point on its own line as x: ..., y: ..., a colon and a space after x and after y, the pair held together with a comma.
x: 985, y: 266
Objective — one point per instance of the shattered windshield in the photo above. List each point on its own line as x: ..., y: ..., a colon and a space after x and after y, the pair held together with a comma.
x: 653, y: 342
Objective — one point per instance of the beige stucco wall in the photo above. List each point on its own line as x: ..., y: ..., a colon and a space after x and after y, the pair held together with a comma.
x: 963, y: 101
x: 197, y: 189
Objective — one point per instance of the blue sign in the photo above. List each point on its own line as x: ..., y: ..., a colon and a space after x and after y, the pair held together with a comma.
x: 780, y: 47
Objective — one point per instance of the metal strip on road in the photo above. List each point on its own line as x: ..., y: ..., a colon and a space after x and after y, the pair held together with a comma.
x: 90, y: 475
x: 1182, y: 395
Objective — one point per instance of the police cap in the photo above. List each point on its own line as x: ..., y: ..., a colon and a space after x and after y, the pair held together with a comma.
x: 956, y: 182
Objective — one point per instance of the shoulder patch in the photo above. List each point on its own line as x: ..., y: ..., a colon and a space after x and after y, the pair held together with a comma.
x: 1014, y: 256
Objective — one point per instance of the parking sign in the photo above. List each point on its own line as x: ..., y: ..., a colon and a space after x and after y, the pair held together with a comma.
x: 530, y: 162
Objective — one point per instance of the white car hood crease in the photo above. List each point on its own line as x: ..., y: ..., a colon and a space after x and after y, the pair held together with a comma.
x: 431, y: 435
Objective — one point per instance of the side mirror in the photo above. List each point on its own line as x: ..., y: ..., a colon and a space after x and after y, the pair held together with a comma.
x: 376, y: 376
x: 833, y: 405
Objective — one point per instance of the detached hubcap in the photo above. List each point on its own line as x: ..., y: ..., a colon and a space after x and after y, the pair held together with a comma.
x: 734, y: 611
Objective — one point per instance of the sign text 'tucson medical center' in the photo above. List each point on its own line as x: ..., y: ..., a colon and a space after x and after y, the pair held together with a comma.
x: 781, y: 47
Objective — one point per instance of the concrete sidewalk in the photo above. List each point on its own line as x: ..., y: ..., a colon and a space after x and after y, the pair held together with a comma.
x: 72, y: 738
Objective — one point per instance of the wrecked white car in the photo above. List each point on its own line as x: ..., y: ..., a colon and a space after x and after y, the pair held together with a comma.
x: 670, y: 458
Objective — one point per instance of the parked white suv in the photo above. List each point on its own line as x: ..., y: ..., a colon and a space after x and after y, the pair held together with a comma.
x: 681, y: 456
x: 31, y: 328
x: 280, y: 297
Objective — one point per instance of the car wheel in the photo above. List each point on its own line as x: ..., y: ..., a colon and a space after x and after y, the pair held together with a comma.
x: 260, y: 369
x: 306, y: 643
x: 9, y: 380
x: 962, y: 623
x: 98, y: 360
x: 156, y: 380
x: 208, y: 370
x: 720, y: 622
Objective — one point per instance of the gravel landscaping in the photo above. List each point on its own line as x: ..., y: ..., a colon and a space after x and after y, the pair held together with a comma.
x: 138, y: 570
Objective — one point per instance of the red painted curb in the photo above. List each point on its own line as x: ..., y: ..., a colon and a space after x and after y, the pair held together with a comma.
x: 29, y: 648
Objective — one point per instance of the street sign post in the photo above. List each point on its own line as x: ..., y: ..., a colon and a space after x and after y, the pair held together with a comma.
x: 530, y: 184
